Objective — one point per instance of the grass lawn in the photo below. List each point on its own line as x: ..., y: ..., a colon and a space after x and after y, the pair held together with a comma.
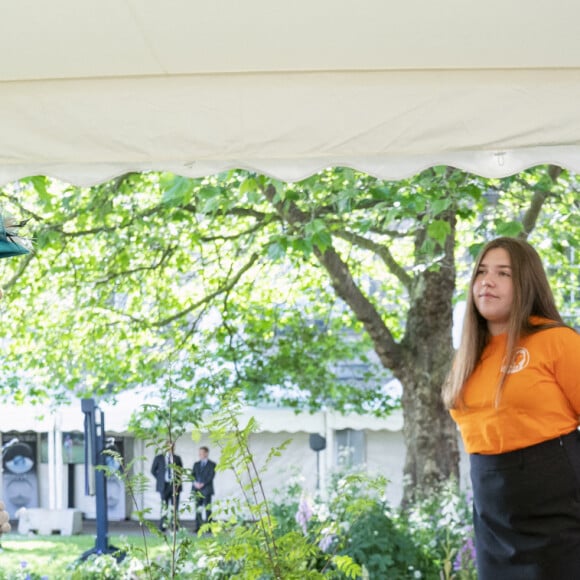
x: 50, y: 555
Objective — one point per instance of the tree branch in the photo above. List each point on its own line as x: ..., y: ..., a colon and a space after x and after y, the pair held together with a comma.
x: 380, y: 250
x: 25, y: 211
x: 532, y: 213
x: 251, y: 230
x: 166, y: 253
x: 223, y: 289
x: 345, y: 286
x: 237, y: 211
x: 23, y: 264
x: 106, y: 229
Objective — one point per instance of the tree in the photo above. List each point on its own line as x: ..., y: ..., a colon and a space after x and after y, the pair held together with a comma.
x: 128, y: 275
x: 420, y: 359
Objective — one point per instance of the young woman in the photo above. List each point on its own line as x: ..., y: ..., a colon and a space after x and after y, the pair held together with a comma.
x: 514, y: 392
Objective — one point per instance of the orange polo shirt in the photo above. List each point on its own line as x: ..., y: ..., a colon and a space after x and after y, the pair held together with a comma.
x: 540, y: 398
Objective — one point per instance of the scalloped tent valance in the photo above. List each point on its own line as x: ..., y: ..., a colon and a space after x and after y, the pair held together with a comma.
x: 118, y: 416
x: 93, y: 89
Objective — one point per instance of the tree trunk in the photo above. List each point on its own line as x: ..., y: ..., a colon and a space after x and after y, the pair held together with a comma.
x: 432, y: 454
x: 430, y: 435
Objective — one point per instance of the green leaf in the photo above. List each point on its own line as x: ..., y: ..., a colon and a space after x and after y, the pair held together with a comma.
x: 475, y: 249
x: 277, y: 249
x: 510, y: 229
x: 177, y: 191
x: 440, y: 205
x: 303, y: 246
x: 322, y: 240
x: 45, y: 238
x: 40, y: 185
x: 347, y: 566
x: 249, y: 185
x: 438, y: 230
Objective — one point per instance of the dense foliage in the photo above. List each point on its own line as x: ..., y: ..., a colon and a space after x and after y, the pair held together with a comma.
x: 310, y: 294
x: 154, y: 270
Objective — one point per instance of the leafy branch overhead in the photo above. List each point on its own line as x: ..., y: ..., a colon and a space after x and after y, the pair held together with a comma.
x: 272, y: 283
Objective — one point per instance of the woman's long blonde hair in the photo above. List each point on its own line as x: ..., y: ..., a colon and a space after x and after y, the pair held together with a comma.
x: 532, y: 296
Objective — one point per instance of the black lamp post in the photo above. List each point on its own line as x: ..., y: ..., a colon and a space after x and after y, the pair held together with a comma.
x: 95, y: 476
x: 318, y: 444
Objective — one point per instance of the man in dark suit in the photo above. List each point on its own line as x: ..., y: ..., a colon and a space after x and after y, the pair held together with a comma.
x: 202, y: 487
x: 167, y: 470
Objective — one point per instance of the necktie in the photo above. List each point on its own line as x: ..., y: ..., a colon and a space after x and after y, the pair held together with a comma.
x: 168, y: 468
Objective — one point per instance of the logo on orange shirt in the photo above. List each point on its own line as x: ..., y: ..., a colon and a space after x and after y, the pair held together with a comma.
x: 521, y: 361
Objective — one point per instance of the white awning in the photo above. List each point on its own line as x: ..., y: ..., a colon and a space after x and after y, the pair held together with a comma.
x: 118, y: 415
x: 90, y: 89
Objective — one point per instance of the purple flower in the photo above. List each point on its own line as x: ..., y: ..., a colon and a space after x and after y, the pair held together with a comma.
x: 304, y: 514
x: 23, y: 564
x: 465, y: 556
x: 326, y: 542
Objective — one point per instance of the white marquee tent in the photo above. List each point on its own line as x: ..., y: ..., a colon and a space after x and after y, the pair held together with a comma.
x: 384, y: 447
x: 90, y: 89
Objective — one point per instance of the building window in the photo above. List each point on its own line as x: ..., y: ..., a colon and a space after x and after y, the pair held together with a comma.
x: 350, y: 448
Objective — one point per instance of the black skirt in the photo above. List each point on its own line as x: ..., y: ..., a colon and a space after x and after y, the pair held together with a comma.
x: 526, y: 512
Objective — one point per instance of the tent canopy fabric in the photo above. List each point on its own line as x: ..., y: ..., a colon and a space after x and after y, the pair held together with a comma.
x: 92, y: 89
x: 118, y: 415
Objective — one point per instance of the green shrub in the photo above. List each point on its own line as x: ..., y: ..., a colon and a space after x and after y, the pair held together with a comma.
x: 442, y: 524
x: 385, y: 551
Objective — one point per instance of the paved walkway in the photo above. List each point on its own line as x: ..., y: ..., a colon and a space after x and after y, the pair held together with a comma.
x: 126, y: 527
x: 116, y: 528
